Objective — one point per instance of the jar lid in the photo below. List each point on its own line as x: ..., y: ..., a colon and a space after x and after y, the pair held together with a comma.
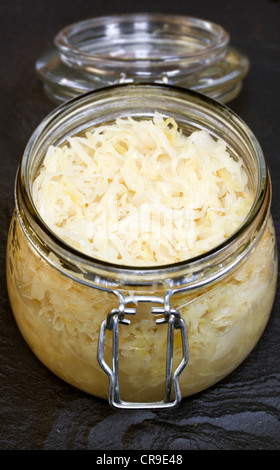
x: 146, y: 47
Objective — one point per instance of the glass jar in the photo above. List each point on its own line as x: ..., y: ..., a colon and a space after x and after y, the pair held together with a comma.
x: 158, y: 333
x: 172, y: 49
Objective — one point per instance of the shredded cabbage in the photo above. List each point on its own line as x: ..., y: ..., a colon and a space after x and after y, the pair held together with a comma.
x: 195, y: 187
x: 60, y: 320
x: 141, y: 192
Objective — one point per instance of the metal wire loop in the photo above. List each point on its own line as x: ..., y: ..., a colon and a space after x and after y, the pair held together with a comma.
x: 173, y: 319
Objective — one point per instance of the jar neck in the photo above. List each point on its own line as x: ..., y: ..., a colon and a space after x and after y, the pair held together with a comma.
x: 190, y: 274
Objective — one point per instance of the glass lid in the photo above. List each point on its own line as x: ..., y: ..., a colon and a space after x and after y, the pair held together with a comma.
x: 177, y: 50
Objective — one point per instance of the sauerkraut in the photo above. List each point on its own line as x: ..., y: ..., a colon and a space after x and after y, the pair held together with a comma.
x: 60, y: 318
x: 141, y: 192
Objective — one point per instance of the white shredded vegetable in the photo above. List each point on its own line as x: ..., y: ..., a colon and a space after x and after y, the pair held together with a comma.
x: 141, y: 192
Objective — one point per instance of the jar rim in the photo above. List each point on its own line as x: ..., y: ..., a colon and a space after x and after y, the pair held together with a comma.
x: 211, y: 41
x: 154, y: 272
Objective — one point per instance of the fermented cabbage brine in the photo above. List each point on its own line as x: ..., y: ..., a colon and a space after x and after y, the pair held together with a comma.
x: 141, y: 257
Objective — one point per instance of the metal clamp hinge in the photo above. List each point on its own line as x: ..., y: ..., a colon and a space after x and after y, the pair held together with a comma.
x: 174, y: 320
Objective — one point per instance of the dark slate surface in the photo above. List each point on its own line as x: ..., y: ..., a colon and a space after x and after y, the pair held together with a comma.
x: 38, y: 410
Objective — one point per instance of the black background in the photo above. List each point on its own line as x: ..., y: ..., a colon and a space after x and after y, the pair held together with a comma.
x: 38, y: 410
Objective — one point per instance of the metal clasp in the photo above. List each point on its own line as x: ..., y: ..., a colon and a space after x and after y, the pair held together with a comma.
x: 174, y: 320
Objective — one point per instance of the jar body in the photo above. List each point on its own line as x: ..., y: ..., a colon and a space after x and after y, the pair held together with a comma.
x: 60, y: 297
x: 60, y: 320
